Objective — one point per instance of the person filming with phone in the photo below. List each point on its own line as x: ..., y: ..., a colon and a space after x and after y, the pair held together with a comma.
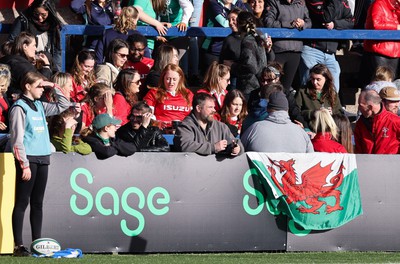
x: 199, y: 132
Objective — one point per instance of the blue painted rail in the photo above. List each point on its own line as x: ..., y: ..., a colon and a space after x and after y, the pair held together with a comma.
x: 223, y: 32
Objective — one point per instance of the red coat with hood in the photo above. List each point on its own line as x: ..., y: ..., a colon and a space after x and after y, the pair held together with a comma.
x: 383, y: 15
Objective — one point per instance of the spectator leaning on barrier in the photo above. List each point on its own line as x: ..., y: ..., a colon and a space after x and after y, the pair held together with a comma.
x: 94, y: 12
x: 377, y: 131
x: 292, y: 14
x: 277, y: 133
x: 125, y: 25
x: 101, y: 138
x: 201, y: 133
x: 40, y: 19
x: 139, y: 130
x: 328, y: 14
x: 31, y: 147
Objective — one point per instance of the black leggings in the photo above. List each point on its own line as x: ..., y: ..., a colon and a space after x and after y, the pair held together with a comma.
x: 32, y: 192
x: 290, y: 62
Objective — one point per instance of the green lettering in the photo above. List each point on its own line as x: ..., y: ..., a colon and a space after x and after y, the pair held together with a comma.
x: 253, y: 192
x: 129, y: 210
x: 163, y: 200
x: 81, y: 191
x: 115, y: 197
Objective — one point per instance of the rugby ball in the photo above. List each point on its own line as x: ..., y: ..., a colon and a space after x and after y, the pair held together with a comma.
x: 44, y: 246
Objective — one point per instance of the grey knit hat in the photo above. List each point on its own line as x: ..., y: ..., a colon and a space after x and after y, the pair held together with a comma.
x: 277, y: 101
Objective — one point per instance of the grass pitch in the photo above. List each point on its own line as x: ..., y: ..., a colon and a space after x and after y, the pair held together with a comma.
x: 222, y: 258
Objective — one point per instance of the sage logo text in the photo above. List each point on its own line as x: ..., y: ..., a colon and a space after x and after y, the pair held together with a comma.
x: 95, y: 201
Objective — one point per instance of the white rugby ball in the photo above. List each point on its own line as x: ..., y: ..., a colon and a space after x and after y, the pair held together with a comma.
x: 44, y: 246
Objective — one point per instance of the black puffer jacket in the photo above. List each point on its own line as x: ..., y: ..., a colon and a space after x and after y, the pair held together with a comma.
x: 336, y: 11
x: 248, y: 68
x: 148, y: 139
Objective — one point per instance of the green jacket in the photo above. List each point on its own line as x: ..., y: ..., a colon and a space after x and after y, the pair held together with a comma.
x: 65, y: 145
x: 308, y: 105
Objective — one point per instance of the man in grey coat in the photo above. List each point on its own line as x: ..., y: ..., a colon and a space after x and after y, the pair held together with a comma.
x: 277, y: 133
x: 200, y: 133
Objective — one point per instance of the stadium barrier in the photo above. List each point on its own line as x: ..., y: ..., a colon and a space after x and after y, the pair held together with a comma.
x: 183, y: 202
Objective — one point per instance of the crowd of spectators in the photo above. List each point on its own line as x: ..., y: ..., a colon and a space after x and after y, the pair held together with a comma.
x: 124, y: 91
x: 122, y: 68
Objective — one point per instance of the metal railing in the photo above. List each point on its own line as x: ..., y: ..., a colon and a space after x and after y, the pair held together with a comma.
x: 281, y: 33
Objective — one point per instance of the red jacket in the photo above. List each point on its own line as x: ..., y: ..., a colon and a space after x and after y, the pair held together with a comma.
x: 384, y: 137
x: 325, y: 143
x: 382, y: 15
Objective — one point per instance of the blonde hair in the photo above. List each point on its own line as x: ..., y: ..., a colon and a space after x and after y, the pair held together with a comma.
x: 324, y: 123
x: 383, y: 73
x: 61, y: 78
x: 127, y: 20
x: 5, y: 74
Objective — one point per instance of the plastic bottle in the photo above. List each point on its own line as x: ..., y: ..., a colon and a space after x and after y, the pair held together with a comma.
x: 117, y: 10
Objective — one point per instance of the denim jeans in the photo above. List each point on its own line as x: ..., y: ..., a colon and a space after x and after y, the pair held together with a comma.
x: 310, y: 57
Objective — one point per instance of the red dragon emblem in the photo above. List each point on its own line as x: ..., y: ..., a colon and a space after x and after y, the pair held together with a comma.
x: 313, y: 186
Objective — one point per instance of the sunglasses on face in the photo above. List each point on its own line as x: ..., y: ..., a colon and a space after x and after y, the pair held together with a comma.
x: 122, y: 55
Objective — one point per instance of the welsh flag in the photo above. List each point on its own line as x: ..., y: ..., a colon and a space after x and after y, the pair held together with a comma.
x: 317, y: 190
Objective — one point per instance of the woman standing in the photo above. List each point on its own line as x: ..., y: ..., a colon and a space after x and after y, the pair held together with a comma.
x: 172, y: 100
x: 292, y: 14
x: 31, y: 147
x: 253, y: 56
x: 40, y: 19
x: 259, y: 10
x: 319, y: 93
x: 94, y: 12
x: 126, y: 89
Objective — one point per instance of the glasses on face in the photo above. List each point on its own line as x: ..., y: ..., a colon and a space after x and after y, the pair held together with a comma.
x: 137, y: 82
x: 122, y: 55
